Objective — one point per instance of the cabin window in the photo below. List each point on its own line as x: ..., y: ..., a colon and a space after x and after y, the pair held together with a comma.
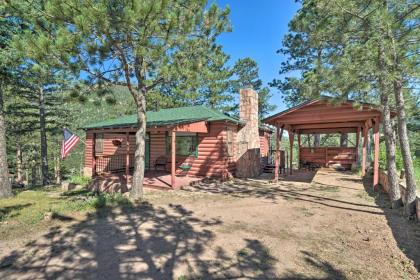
x: 99, y: 143
x: 186, y: 144
x: 229, y: 142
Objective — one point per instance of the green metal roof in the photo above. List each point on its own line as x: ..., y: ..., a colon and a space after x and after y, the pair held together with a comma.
x: 172, y: 116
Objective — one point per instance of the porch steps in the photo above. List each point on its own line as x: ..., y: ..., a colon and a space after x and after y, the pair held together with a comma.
x: 269, y: 168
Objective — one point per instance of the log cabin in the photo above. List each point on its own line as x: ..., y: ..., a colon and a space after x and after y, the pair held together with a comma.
x: 196, y: 141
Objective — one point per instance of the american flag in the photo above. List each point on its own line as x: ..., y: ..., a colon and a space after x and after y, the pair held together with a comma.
x: 70, y: 140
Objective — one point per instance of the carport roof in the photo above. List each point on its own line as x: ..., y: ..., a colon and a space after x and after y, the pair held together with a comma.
x: 323, y: 116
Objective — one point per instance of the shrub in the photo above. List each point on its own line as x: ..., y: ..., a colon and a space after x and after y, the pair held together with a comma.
x: 80, y: 180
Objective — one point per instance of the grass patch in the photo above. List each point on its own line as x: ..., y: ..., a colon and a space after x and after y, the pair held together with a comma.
x: 24, y: 212
x: 80, y: 180
x: 306, y: 211
x: 364, y: 195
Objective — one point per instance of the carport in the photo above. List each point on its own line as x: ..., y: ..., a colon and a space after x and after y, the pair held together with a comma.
x: 321, y: 116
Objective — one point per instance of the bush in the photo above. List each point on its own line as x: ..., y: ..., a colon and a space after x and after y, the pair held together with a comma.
x: 80, y: 180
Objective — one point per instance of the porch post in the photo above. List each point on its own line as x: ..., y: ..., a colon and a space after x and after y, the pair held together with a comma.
x: 376, y: 154
x: 93, y: 155
x: 173, y: 157
x: 364, y: 152
x: 357, y: 144
x: 299, y: 143
x: 127, y: 155
x: 279, y: 134
x: 291, y: 139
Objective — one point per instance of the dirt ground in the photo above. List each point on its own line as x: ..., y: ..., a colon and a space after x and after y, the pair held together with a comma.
x: 309, y: 226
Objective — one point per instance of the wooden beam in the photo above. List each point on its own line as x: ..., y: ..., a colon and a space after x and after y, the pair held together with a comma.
x: 279, y: 134
x: 199, y: 127
x: 331, y: 112
x: 291, y: 139
x: 364, y: 149
x: 376, y: 154
x: 173, y: 158
x: 328, y: 119
x: 328, y: 125
x: 329, y: 130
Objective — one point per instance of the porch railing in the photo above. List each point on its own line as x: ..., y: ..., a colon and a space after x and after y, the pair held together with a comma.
x: 113, y: 163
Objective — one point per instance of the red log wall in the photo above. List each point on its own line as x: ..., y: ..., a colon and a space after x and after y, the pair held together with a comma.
x: 212, y: 160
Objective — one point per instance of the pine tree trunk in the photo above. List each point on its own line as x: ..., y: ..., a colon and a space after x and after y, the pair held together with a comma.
x: 19, y: 171
x: 395, y: 193
x: 34, y: 175
x: 42, y: 125
x: 5, y: 186
x: 343, y: 139
x: 317, y: 140
x: 57, y: 170
x: 139, y: 155
x: 410, y: 194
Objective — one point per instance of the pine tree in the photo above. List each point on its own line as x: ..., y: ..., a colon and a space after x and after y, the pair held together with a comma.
x: 365, y: 49
x: 246, y: 75
x: 136, y: 44
x: 8, y: 68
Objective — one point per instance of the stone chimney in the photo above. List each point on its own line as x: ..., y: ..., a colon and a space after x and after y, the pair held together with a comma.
x: 248, y: 158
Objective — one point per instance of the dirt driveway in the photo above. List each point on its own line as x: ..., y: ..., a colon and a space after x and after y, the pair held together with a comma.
x: 324, y: 227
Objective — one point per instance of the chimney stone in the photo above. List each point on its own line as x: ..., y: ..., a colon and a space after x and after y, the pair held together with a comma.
x: 248, y: 158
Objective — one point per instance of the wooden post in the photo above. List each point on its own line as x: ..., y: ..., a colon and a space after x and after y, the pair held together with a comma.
x: 357, y: 144
x: 299, y: 143
x: 364, y: 151
x: 326, y: 156
x: 279, y: 134
x: 127, y: 155
x: 93, y: 155
x: 376, y: 154
x: 291, y: 139
x: 173, y: 157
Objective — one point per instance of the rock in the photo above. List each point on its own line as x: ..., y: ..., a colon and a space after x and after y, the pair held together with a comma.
x: 67, y: 186
x: 48, y: 216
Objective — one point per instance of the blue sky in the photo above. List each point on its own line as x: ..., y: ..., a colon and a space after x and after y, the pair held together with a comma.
x: 258, y: 29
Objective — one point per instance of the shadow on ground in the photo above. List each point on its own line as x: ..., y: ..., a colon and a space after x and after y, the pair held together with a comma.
x: 145, y: 242
x: 257, y: 188
x: 406, y: 233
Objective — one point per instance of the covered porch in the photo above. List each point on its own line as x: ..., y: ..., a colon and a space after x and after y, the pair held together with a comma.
x: 168, y: 155
x: 321, y: 117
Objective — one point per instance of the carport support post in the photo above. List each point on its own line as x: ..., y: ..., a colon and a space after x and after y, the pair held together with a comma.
x: 173, y: 157
x: 364, y: 152
x: 291, y: 139
x: 376, y: 155
x: 279, y: 134
x: 357, y: 145
x: 298, y: 150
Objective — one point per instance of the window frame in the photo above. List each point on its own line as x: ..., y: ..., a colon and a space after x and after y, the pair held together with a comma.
x: 195, y: 141
x: 99, y: 142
